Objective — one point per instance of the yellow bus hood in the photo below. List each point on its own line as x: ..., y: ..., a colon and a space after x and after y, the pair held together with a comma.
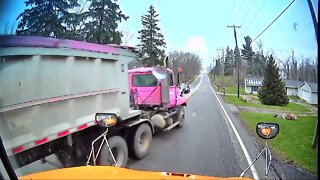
x: 109, y: 172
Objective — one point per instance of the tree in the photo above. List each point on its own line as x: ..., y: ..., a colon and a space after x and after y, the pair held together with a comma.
x: 248, y: 55
x: 45, y: 18
x: 75, y: 21
x: 273, y: 90
x: 217, y: 67
x: 229, y: 62
x: 103, y: 18
x: 189, y: 62
x: 151, y: 39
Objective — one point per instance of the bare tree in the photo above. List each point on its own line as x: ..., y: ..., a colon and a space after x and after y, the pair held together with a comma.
x: 127, y: 37
x: 189, y: 62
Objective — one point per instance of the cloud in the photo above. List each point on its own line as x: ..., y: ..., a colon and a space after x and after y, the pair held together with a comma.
x: 196, y: 44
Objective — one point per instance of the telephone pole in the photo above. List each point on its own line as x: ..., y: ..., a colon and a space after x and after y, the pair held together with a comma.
x: 237, y: 51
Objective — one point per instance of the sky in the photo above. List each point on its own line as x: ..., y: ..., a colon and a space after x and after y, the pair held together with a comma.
x: 201, y: 26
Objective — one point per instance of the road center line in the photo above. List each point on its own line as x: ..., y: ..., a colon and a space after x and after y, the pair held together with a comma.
x: 243, y: 147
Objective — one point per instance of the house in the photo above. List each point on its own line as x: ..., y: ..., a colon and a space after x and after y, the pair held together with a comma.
x: 304, y: 90
x: 309, y: 92
x: 292, y: 87
x: 252, y: 84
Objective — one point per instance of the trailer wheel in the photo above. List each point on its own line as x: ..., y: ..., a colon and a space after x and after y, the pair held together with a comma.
x: 181, y: 116
x: 119, y: 149
x: 140, y: 140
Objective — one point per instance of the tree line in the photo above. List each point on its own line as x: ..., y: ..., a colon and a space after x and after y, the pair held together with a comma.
x: 253, y: 63
x: 97, y: 21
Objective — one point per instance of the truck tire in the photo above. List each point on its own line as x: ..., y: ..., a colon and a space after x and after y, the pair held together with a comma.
x: 120, y: 151
x: 181, y: 116
x: 140, y: 140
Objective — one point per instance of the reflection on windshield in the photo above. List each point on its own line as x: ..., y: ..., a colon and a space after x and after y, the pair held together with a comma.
x: 63, y: 61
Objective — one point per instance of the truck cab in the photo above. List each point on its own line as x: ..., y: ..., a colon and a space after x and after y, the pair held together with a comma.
x: 154, y: 87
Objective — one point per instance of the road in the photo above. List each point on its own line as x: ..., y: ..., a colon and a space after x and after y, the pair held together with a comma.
x: 205, y: 145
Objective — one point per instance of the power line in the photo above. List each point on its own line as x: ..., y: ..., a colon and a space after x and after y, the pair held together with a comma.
x: 238, y: 11
x: 254, y: 17
x: 273, y: 21
x: 247, y: 13
x: 290, y: 51
x: 231, y: 13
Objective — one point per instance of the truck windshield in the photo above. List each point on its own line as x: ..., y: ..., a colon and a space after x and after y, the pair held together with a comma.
x: 144, y: 80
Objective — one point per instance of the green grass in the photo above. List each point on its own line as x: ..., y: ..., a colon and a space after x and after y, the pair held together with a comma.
x: 225, y: 81
x: 234, y: 90
x: 294, y: 140
x: 289, y: 107
x: 293, y: 97
x: 230, y: 83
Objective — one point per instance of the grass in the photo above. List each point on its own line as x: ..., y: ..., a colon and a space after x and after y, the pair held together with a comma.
x: 289, y: 107
x: 294, y: 97
x: 234, y: 90
x: 294, y: 140
x: 230, y: 83
x: 225, y: 81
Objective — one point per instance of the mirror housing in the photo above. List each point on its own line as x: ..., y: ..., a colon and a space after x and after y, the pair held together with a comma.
x: 267, y: 130
x: 106, y: 119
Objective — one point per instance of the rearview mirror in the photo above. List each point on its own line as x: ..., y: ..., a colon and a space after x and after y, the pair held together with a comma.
x: 106, y: 119
x: 267, y: 130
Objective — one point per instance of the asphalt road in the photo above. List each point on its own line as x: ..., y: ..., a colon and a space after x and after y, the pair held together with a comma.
x: 203, y: 146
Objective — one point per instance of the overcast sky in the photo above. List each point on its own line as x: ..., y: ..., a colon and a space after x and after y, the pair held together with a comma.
x: 200, y: 26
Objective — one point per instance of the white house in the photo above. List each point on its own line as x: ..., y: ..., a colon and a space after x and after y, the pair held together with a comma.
x: 304, y: 90
x: 309, y: 92
x: 251, y: 85
x: 292, y: 87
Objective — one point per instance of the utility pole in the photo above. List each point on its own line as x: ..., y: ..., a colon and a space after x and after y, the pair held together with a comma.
x: 238, y: 59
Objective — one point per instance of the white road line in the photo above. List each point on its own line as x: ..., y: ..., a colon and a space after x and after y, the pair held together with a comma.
x: 243, y: 147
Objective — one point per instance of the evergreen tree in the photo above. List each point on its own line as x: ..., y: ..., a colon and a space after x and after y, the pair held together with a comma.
x: 273, y: 90
x: 229, y: 62
x: 260, y: 62
x: 152, y: 40
x: 103, y: 18
x: 248, y: 55
x: 45, y: 18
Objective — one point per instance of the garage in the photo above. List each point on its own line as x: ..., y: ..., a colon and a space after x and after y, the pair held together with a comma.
x: 309, y: 92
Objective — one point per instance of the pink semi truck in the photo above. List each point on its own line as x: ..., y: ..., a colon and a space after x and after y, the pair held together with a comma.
x: 51, y: 90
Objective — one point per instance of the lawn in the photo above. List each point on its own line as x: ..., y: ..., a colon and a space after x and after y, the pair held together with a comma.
x: 225, y: 81
x: 289, y: 107
x: 294, y: 140
x: 230, y: 83
x: 234, y: 90
x: 294, y: 97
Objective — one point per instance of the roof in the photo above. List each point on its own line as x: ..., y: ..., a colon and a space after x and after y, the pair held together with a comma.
x: 292, y: 83
x: 253, y: 81
x: 313, y: 86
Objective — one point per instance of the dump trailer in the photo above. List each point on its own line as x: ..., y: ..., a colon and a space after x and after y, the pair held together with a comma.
x: 51, y: 89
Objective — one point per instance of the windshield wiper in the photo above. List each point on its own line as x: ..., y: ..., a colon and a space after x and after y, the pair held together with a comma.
x: 6, y: 163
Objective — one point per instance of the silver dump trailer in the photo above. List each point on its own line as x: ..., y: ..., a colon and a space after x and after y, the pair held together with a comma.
x: 50, y: 91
